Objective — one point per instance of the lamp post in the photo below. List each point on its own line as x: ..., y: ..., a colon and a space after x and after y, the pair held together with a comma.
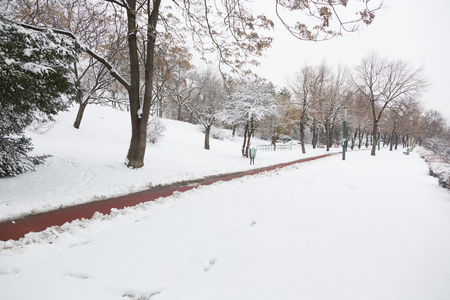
x: 344, y: 144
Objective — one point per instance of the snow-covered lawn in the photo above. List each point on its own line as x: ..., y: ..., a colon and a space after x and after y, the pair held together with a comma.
x: 364, y: 228
x: 88, y: 163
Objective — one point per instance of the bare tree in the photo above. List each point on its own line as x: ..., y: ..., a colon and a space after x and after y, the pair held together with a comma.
x: 384, y: 83
x: 359, y: 120
x: 436, y: 132
x: 181, y: 89
x: 208, y: 102
x: 338, y: 92
x: 318, y: 88
x: 303, y: 88
x: 401, y: 119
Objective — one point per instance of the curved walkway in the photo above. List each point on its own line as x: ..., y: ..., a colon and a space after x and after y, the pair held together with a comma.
x: 16, y: 229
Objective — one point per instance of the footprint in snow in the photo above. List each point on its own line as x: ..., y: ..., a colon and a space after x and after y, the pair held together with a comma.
x: 78, y: 275
x: 139, y: 296
x: 211, y: 263
x: 9, y: 270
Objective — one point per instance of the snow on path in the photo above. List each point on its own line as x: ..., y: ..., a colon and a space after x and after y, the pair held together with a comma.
x: 364, y: 228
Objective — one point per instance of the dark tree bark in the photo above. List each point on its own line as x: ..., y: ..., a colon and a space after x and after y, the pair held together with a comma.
x: 367, y: 140
x: 354, y: 139
x: 207, y: 132
x: 302, y: 136
x: 140, y: 115
x: 245, y: 139
x: 315, y: 135
x: 250, y: 129
x: 375, y: 138
x: 327, y: 136
x: 81, y: 108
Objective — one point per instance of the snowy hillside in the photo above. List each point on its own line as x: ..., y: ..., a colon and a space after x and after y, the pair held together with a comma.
x: 88, y: 164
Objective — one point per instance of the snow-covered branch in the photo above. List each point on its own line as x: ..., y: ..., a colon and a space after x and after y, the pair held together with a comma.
x: 99, y: 58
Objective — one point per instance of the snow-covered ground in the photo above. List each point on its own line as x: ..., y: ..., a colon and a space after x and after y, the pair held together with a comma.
x: 364, y: 228
x: 88, y: 164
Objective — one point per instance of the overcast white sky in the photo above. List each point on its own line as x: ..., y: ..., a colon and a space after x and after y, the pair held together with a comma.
x: 411, y: 30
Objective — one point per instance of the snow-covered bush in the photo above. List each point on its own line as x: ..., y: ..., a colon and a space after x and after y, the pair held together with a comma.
x: 220, y: 134
x: 217, y: 133
x: 155, y: 129
x: 13, y: 156
x: 439, y: 166
x: 440, y: 145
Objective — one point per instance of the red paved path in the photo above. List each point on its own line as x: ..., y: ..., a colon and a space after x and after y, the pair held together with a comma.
x: 15, y: 229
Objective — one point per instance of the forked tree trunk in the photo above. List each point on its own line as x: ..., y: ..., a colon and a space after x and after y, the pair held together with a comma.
x: 140, y: 111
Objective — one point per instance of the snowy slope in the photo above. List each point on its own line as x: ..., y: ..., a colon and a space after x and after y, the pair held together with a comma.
x: 364, y: 228
x: 88, y: 164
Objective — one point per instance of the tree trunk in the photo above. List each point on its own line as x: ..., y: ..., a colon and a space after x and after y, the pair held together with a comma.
x: 391, y: 139
x: 315, y: 136
x: 140, y: 114
x: 179, y: 112
x: 80, y: 113
x: 250, y: 132
x: 327, y: 136
x: 360, y: 138
x: 207, y: 132
x: 274, y: 142
x: 375, y: 138
x: 245, y: 139
x: 302, y: 137
x: 354, y: 139
x: 160, y: 110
